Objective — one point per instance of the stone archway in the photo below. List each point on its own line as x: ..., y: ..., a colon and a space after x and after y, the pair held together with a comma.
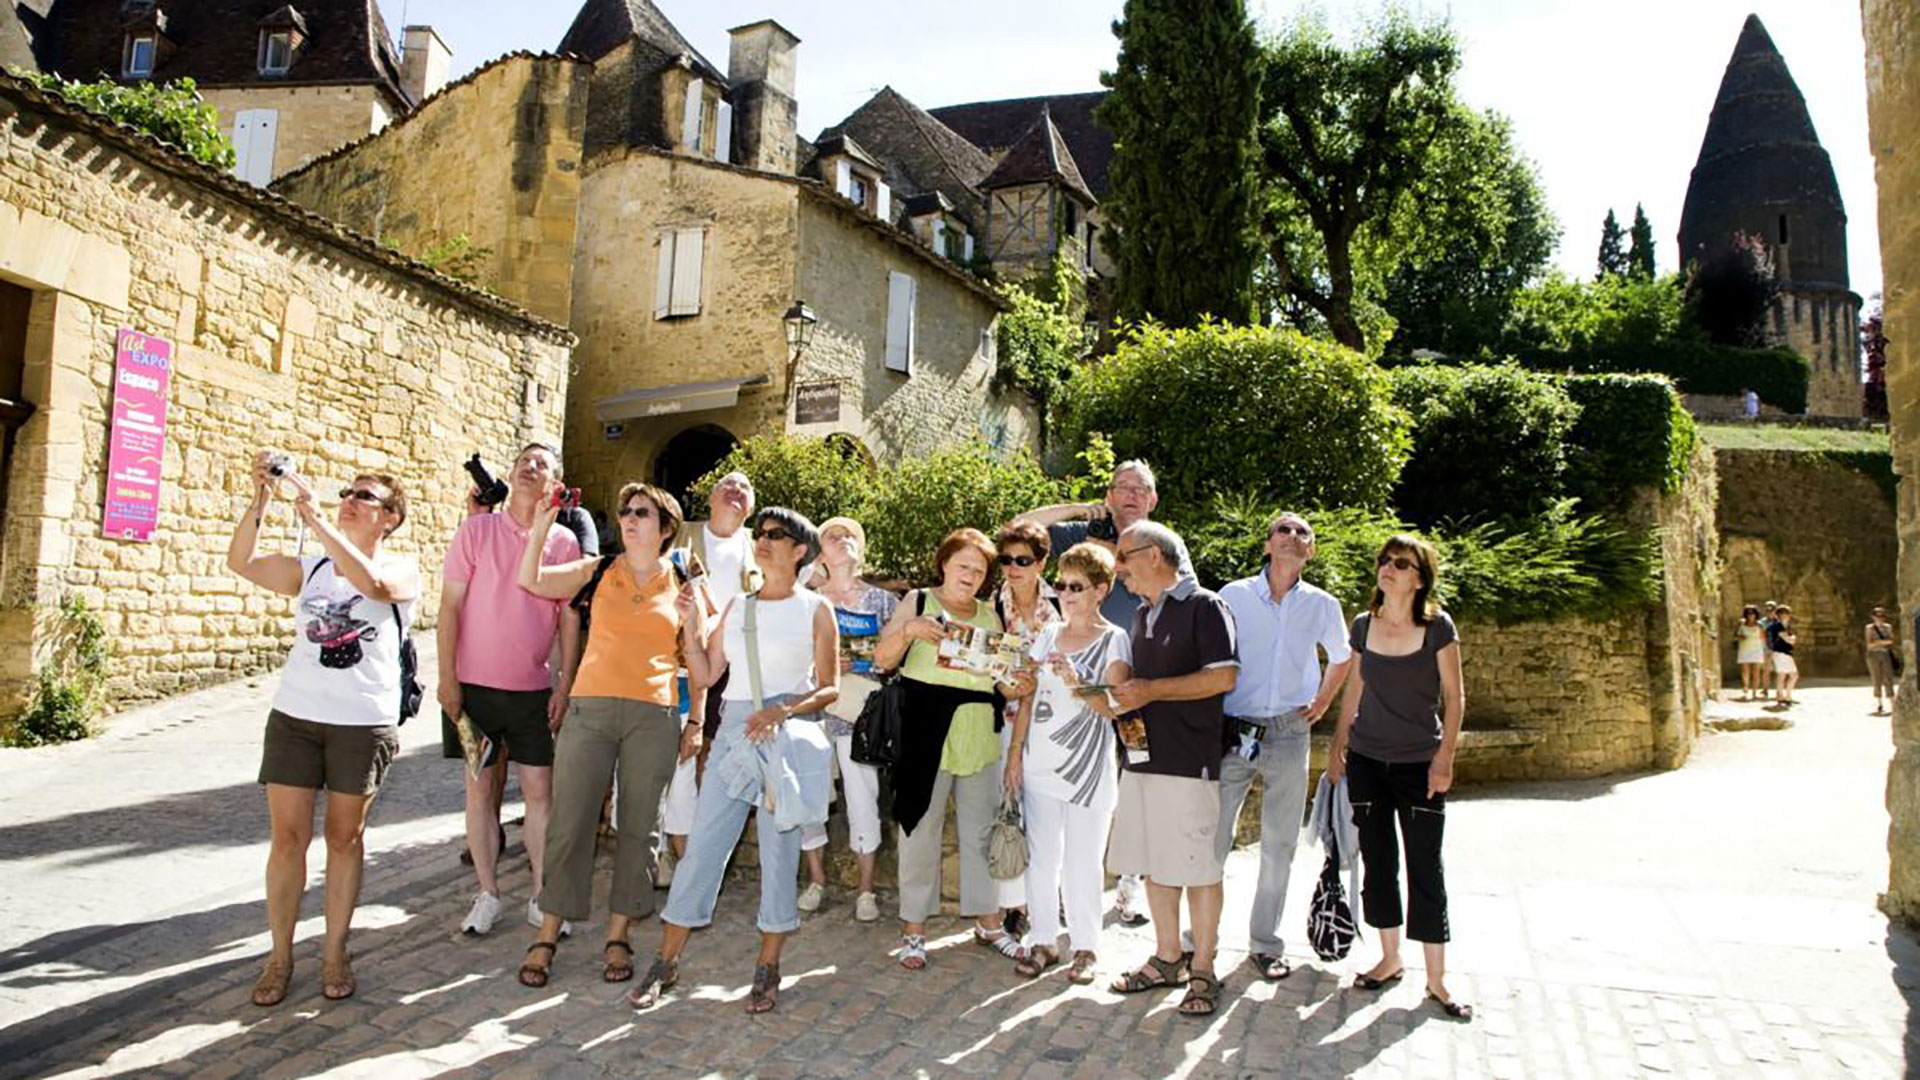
x: 687, y: 457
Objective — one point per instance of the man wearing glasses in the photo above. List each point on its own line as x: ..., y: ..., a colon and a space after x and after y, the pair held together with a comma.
x: 1279, y: 696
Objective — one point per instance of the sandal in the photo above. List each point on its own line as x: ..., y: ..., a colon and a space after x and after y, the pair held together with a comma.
x: 1081, y: 973
x: 1203, y: 995
x: 660, y: 977
x: 998, y: 939
x: 1450, y: 1007
x: 271, y: 990
x: 1364, y: 981
x: 913, y: 951
x: 765, y: 993
x: 1038, y: 959
x: 536, y: 976
x: 616, y: 971
x: 1271, y: 968
x: 1153, y: 975
x: 337, y: 982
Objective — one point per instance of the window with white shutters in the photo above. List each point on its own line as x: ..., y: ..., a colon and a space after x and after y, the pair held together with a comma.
x: 254, y: 132
x: 901, y: 295
x: 882, y: 201
x: 692, y: 115
x: 723, y: 135
x: 676, y: 289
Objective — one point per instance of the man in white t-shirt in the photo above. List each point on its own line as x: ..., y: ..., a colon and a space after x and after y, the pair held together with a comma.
x: 724, y: 550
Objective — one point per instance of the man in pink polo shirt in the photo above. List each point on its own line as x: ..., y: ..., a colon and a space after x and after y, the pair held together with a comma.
x: 499, y: 638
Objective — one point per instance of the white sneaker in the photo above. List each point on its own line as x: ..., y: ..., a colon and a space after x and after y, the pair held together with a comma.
x: 866, y: 908
x: 536, y: 919
x: 480, y: 917
x: 811, y: 896
x: 663, y: 870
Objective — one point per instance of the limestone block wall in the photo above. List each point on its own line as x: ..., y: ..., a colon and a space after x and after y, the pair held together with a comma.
x: 287, y: 333
x: 1893, y: 116
x: 1812, y: 533
x: 495, y: 157
x: 1823, y: 325
x: 314, y: 120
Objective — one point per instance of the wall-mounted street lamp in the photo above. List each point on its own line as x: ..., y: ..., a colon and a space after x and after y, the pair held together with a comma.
x: 800, y: 321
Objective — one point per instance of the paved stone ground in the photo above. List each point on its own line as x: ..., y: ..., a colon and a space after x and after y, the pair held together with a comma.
x: 1715, y: 921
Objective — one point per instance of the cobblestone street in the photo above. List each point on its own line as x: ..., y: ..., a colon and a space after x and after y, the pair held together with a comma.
x: 1715, y: 921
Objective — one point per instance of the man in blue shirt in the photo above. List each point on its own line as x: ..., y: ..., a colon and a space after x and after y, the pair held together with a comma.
x: 1281, y: 692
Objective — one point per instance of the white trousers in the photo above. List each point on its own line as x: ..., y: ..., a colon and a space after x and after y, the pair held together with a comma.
x: 676, y: 811
x: 1066, y: 847
x: 861, y: 786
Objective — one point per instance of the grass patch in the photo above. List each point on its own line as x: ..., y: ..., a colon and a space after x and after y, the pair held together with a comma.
x: 1769, y: 437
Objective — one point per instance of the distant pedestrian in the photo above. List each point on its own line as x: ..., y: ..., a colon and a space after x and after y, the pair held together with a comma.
x: 334, y: 720
x: 1780, y: 641
x: 1883, y: 660
x: 1768, y: 676
x: 1749, y: 404
x: 1752, y: 655
x: 1398, y: 733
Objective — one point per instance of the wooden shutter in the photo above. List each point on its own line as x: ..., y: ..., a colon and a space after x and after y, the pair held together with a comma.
x: 966, y: 247
x: 939, y: 235
x: 663, y: 277
x: 843, y: 178
x: 900, y: 303
x: 691, y: 115
x: 254, y: 133
x: 883, y: 201
x: 723, y: 135
x: 688, y: 248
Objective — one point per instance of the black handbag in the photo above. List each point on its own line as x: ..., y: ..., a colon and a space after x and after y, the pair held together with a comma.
x: 876, y: 734
x: 1330, y: 926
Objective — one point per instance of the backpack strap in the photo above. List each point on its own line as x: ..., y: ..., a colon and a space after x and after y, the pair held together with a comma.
x: 324, y: 560
x: 753, y: 650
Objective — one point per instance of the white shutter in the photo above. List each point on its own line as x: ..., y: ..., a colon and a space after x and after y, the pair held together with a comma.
x: 723, y: 135
x: 939, y: 235
x: 691, y: 115
x: 883, y: 202
x: 253, y: 141
x: 687, y: 252
x: 663, y: 278
x: 843, y: 178
x: 966, y: 247
x: 900, y: 303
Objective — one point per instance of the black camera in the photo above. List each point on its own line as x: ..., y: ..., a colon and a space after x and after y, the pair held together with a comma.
x: 492, y: 490
x: 1100, y: 527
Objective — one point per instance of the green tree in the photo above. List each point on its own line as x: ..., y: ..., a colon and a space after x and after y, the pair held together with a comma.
x: 1730, y: 291
x: 1613, y: 253
x: 1640, y: 262
x: 1044, y: 334
x: 1182, y: 109
x: 173, y: 113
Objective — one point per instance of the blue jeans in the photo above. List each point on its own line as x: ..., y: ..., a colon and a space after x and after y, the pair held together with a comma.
x: 718, y: 821
x: 1282, y: 766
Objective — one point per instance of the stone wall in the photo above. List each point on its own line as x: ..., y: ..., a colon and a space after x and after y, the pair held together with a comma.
x: 1811, y: 533
x: 314, y: 120
x: 1893, y: 115
x: 1823, y: 325
x: 495, y: 157
x: 288, y: 332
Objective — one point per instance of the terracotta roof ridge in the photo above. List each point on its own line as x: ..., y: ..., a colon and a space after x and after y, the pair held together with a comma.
x: 169, y: 159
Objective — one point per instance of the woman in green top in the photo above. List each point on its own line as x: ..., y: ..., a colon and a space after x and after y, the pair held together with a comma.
x: 950, y: 746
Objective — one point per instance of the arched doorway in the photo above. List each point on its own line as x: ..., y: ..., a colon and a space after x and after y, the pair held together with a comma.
x: 689, y: 456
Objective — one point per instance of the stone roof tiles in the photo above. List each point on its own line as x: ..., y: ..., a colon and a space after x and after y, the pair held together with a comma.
x: 601, y: 25
x: 1037, y: 157
x: 994, y: 126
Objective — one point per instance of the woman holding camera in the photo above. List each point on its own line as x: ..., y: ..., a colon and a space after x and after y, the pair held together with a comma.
x: 333, y: 724
x: 620, y: 720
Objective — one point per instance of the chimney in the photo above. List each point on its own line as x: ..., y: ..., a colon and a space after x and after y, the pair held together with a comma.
x: 760, y: 63
x: 426, y: 62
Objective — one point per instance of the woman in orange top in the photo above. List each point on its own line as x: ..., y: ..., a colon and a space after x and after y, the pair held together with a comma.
x: 621, y: 715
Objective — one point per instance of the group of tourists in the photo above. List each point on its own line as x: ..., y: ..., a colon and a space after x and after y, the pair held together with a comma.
x: 1765, y: 639
x: 1128, y: 734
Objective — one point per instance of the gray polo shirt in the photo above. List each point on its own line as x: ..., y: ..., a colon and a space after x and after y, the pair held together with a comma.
x: 1188, y: 629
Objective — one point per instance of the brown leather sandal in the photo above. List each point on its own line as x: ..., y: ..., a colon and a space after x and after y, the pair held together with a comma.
x: 1081, y: 972
x: 1038, y: 959
x: 1153, y: 975
x: 275, y: 978
x: 1203, y: 994
x: 337, y: 982
x: 533, y: 975
x: 617, y: 971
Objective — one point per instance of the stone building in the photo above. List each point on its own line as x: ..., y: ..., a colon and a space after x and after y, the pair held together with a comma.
x: 291, y: 80
x: 279, y: 329
x: 1893, y: 125
x: 676, y: 196
x: 1762, y: 172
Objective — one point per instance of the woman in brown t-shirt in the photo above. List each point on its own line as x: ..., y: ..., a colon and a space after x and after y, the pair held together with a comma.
x: 1399, y: 727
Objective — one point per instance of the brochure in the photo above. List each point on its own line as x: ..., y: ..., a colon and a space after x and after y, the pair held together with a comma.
x: 859, y: 633
x: 979, y: 651
x: 475, y: 747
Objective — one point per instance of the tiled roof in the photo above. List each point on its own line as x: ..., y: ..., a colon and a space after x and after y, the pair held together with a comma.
x: 217, y: 43
x: 996, y: 125
x: 1040, y: 156
x: 919, y: 152
x: 21, y: 33
x: 601, y: 25
x: 17, y: 95
x: 835, y: 145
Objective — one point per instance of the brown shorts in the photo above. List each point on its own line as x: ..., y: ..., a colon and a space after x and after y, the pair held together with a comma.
x: 350, y: 759
x: 1163, y: 830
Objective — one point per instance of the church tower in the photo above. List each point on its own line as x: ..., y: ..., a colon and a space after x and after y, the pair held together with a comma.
x: 1763, y: 172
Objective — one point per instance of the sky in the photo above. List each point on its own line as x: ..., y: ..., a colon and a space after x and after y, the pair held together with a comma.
x: 1609, y: 100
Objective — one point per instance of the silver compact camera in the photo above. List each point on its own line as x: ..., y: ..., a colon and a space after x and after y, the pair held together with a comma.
x: 279, y: 465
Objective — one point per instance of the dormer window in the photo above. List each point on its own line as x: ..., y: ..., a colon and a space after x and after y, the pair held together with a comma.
x: 858, y: 189
x: 276, y: 51
x: 854, y: 174
x: 141, y: 49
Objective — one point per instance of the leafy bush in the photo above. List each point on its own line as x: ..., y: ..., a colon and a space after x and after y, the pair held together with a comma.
x: 1488, y: 442
x: 1266, y: 412
x: 62, y: 706
x: 1632, y: 432
x: 1562, y: 314
x: 173, y: 113
x: 920, y: 500
x: 820, y: 477
x: 1779, y: 376
x: 1044, y: 335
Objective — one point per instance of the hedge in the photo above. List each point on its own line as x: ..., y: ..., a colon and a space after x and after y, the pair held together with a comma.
x: 1488, y: 442
x: 1779, y: 376
x: 818, y: 477
x: 1633, y: 432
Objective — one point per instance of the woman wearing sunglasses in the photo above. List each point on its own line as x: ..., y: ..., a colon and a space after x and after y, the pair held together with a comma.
x: 1025, y: 605
x: 1399, y: 726
x: 1062, y: 763
x: 620, y: 719
x: 781, y: 647
x: 334, y: 721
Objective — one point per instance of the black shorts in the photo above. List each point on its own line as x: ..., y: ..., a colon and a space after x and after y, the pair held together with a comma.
x: 350, y: 759
x: 514, y: 719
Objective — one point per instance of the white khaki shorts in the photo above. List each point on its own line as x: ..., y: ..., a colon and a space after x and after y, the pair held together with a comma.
x: 1783, y: 664
x: 1164, y: 828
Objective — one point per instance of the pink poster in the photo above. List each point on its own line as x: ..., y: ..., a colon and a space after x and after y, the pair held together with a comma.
x: 138, y: 440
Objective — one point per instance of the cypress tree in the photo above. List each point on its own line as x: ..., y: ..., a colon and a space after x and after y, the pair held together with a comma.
x: 1640, y: 255
x: 1183, y: 107
x: 1613, y: 257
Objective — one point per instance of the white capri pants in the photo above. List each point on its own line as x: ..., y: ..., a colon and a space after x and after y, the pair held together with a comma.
x: 676, y: 809
x: 861, y: 786
x: 1066, y: 850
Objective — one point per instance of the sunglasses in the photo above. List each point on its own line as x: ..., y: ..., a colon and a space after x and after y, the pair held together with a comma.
x: 1300, y: 531
x: 1017, y: 560
x: 637, y: 512
x: 1399, y: 562
x: 1074, y: 587
x: 772, y: 534
x: 372, y: 498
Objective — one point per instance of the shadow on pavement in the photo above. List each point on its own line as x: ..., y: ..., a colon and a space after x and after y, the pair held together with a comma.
x: 1904, y: 950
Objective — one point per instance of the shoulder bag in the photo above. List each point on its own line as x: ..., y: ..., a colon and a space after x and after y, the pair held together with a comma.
x: 1330, y: 926
x: 876, y: 734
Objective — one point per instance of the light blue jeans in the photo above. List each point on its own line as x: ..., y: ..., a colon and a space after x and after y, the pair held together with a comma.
x: 718, y: 821
x: 1282, y: 766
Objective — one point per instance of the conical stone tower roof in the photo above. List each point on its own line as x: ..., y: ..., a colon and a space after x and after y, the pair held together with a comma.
x: 1762, y: 170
